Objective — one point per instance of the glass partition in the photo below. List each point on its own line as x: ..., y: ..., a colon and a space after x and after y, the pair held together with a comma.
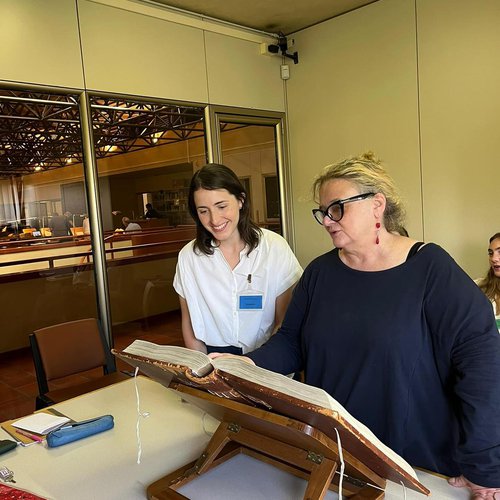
x: 146, y: 154
x: 45, y: 255
x: 250, y: 145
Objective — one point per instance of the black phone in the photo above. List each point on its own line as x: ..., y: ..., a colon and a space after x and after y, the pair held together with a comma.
x: 6, y: 445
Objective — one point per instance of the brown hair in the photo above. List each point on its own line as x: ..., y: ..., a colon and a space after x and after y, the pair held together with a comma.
x: 490, y: 284
x: 369, y: 175
x: 215, y: 176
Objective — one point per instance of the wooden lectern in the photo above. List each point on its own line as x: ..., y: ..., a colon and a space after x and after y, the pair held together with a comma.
x: 288, y: 444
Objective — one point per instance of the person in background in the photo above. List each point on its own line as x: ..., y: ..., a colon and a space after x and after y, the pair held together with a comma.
x: 69, y: 218
x: 59, y: 225
x: 7, y: 230
x: 130, y: 226
x: 490, y: 284
x: 395, y: 331
x: 235, y: 279
x: 86, y: 225
x: 151, y: 213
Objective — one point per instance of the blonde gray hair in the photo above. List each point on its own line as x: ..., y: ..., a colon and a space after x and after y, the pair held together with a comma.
x: 368, y: 174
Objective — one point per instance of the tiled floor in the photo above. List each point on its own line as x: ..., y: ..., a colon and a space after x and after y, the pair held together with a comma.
x: 18, y: 387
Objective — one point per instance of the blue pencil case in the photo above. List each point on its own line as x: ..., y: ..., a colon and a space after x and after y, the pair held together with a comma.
x: 79, y: 430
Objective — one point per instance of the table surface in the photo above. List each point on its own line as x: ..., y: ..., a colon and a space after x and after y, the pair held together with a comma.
x: 105, y: 466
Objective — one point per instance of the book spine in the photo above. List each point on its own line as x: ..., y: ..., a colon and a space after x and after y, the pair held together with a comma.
x: 214, y: 384
x: 166, y: 373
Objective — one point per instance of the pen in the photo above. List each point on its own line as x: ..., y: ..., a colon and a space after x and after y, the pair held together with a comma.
x: 38, y: 439
x: 72, y: 424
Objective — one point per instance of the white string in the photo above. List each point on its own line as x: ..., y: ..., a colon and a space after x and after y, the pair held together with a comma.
x: 342, y: 464
x: 139, y: 415
x: 404, y: 489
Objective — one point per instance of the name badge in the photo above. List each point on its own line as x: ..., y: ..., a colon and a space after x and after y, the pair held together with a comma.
x: 250, y: 302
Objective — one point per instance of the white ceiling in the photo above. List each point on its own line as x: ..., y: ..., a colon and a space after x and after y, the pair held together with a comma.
x: 272, y: 16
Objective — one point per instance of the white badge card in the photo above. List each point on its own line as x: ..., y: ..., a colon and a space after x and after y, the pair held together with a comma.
x: 249, y: 299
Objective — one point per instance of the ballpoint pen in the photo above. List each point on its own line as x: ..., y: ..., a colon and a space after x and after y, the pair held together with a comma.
x: 72, y: 424
x: 38, y: 439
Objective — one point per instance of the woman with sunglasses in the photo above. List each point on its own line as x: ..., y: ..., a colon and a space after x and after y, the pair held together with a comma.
x: 396, y: 332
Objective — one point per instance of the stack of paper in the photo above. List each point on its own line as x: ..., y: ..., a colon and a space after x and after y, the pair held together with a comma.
x: 40, y: 423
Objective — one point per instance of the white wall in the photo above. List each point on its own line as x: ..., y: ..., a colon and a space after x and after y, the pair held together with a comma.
x: 238, y: 75
x: 354, y: 89
x: 132, y: 53
x: 39, y: 42
x: 139, y: 49
x: 417, y: 82
x: 135, y: 53
x: 459, y: 79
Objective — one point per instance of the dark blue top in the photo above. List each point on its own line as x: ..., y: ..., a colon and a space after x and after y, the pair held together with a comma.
x: 413, y: 352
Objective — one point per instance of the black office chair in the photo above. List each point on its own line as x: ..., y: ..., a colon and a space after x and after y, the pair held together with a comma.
x: 67, y: 349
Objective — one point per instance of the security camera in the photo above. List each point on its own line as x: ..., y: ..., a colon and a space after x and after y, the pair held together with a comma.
x: 280, y: 47
x: 282, y: 43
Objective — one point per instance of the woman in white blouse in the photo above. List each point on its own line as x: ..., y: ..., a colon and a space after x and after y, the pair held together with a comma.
x: 235, y: 279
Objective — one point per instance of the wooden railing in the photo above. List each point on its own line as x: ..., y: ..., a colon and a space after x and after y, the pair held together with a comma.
x: 151, y: 245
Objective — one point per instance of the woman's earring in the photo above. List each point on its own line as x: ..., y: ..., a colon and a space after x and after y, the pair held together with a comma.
x: 377, y: 225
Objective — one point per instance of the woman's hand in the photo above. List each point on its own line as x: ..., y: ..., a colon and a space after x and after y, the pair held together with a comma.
x: 478, y: 492
x: 190, y: 340
x: 214, y: 355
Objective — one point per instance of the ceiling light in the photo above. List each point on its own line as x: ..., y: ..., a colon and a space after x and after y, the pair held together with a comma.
x: 156, y: 136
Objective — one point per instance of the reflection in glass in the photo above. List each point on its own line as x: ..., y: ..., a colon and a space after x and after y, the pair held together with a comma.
x: 250, y: 150
x: 45, y: 259
x: 146, y: 154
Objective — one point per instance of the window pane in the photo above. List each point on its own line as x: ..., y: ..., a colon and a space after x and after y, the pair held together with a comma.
x: 146, y: 154
x: 250, y: 150
x: 45, y: 259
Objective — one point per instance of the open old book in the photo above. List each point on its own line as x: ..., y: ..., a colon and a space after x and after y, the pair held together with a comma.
x: 238, y: 380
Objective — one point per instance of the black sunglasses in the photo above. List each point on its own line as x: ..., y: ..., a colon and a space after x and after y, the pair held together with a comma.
x: 335, y: 211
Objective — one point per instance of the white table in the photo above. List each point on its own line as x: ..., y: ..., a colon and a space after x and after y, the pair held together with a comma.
x: 103, y: 467
x: 237, y: 479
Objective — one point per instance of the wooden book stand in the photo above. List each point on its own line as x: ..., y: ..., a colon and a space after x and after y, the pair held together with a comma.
x: 283, y: 442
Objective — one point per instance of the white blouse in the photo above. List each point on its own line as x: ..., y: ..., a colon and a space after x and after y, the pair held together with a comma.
x: 211, y: 289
